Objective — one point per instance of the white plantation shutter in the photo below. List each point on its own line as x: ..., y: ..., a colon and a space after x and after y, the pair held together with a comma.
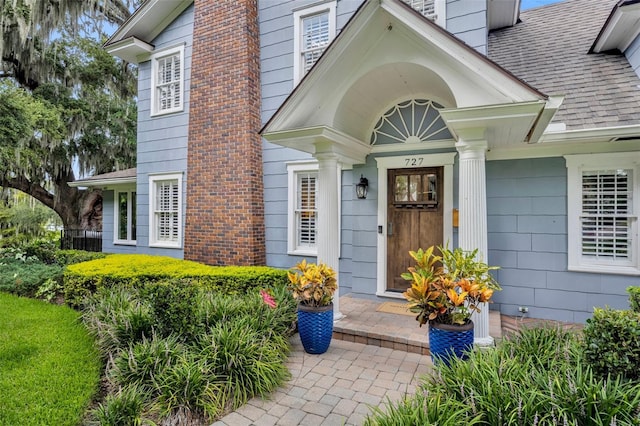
x: 305, y: 210
x: 425, y: 7
x: 168, y: 83
x: 315, y: 37
x: 606, y: 214
x: 167, y: 210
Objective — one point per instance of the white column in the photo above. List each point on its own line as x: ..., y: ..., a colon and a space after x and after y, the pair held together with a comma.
x: 472, y: 227
x: 327, y: 228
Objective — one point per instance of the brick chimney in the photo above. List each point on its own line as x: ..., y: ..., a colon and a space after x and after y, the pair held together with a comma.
x: 225, y: 211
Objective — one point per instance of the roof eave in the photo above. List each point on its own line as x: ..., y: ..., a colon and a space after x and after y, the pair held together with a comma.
x: 620, y: 29
x: 101, y: 182
x: 131, y: 49
x: 149, y: 20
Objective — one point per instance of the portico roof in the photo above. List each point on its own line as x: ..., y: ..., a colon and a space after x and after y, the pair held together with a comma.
x: 388, y: 53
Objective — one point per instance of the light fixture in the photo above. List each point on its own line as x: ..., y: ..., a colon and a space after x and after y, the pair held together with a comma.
x: 362, y: 187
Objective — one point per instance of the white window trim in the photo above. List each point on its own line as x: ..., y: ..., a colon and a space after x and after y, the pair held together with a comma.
x: 154, y: 111
x: 153, y: 241
x: 576, y: 164
x: 298, y: 16
x: 116, y: 214
x: 292, y: 172
x: 445, y: 160
x: 293, y: 168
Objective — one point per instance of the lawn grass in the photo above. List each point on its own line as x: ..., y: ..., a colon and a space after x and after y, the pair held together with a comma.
x: 49, y: 367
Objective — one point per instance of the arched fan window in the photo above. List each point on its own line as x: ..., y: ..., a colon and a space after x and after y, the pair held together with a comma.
x: 413, y: 121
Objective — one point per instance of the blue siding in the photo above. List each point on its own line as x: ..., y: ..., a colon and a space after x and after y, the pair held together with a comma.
x: 162, y: 140
x: 468, y: 21
x: 276, y: 55
x: 108, y: 219
x: 527, y: 225
x: 633, y: 55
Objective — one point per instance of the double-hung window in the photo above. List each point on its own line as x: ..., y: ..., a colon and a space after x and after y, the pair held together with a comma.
x: 303, y: 213
x: 314, y: 28
x: 125, y: 216
x: 167, y: 81
x: 165, y: 208
x: 603, y: 205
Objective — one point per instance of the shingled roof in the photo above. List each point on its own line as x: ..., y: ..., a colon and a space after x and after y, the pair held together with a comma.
x: 549, y: 50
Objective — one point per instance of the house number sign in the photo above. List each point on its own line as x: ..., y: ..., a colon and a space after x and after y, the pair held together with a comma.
x: 413, y: 161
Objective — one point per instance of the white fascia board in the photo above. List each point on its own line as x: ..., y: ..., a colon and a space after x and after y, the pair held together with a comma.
x: 102, y: 182
x: 476, y: 122
x: 149, y: 20
x: 546, y: 115
x: 621, y: 29
x: 130, y: 49
x: 322, y: 139
x: 588, y: 141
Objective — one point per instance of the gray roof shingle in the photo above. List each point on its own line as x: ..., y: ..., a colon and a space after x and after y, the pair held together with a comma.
x: 549, y: 50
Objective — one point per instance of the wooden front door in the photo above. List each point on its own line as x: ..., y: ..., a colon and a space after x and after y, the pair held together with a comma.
x: 414, y: 216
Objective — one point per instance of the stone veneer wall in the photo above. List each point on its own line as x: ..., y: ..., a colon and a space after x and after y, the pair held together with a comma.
x: 225, y: 213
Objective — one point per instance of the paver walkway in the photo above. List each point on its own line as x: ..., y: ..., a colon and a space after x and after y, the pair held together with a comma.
x: 335, y: 388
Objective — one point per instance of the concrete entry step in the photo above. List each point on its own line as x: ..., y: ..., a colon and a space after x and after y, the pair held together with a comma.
x: 369, y: 323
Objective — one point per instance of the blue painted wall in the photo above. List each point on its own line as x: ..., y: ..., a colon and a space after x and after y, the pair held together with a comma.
x: 162, y: 141
x: 468, y: 21
x: 633, y: 55
x: 527, y: 224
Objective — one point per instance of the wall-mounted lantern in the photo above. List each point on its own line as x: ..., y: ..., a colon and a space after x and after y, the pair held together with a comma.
x: 362, y: 187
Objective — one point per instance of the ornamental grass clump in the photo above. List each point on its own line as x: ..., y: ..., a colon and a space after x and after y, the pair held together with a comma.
x: 538, y: 377
x: 185, y: 355
x: 448, y: 288
x: 313, y: 284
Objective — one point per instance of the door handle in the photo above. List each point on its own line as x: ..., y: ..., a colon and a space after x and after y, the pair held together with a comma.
x: 389, y: 229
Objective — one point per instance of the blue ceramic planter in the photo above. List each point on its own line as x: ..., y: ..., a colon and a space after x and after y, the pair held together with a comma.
x: 315, y: 325
x: 448, y: 341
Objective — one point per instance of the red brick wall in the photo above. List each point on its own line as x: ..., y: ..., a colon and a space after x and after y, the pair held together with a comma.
x: 225, y: 211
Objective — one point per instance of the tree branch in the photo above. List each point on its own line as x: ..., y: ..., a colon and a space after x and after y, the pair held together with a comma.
x: 36, y: 191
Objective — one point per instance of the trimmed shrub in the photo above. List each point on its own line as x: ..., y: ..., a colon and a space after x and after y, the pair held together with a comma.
x: 23, y: 276
x: 71, y: 257
x: 174, y: 308
x: 612, y: 343
x: 634, y: 298
x: 138, y: 270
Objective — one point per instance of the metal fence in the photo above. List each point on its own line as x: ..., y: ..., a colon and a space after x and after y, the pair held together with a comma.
x: 81, y: 239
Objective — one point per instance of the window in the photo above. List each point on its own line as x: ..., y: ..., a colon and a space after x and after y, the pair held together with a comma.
x: 314, y: 29
x: 125, y: 216
x: 165, y: 205
x: 303, y: 191
x: 167, y: 76
x: 433, y: 10
x: 603, y: 235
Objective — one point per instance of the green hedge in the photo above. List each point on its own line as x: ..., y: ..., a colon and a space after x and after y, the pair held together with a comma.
x: 612, y: 343
x: 634, y: 298
x: 138, y: 270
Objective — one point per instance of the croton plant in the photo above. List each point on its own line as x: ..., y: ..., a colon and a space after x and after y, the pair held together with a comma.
x: 312, y: 284
x: 448, y: 287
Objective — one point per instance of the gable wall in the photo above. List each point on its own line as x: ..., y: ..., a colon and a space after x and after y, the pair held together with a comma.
x: 527, y: 236
x: 162, y: 140
x: 468, y: 20
x: 633, y: 55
